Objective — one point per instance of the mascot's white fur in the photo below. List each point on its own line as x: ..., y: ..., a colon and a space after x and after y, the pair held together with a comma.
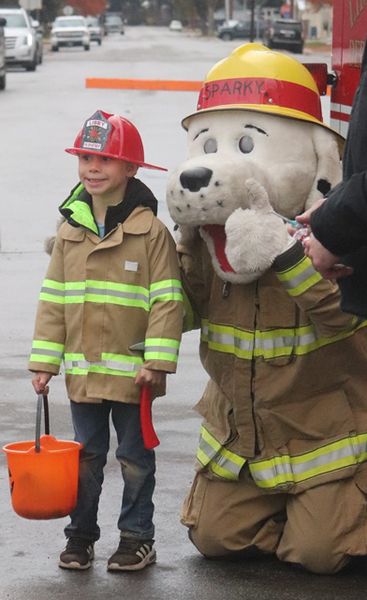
x: 283, y: 442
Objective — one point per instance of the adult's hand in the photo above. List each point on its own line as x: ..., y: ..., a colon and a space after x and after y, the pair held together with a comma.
x: 305, y: 217
x: 326, y: 263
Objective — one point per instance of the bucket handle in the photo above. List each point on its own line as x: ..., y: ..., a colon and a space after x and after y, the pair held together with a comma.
x: 41, y: 400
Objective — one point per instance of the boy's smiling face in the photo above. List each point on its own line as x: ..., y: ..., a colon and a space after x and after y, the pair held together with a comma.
x: 104, y: 176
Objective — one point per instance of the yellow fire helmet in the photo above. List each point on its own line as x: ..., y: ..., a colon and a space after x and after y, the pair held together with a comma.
x: 255, y: 78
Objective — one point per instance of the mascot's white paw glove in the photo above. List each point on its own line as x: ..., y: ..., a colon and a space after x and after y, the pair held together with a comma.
x: 255, y: 235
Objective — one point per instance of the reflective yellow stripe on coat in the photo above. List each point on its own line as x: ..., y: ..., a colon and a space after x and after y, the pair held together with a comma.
x: 47, y: 352
x: 268, y: 344
x: 222, y: 462
x: 283, y: 470
x: 161, y: 349
x: 119, y: 365
x: 300, y: 277
x: 109, y: 292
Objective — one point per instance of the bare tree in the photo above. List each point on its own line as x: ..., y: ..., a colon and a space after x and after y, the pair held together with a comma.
x: 197, y: 13
x: 51, y: 9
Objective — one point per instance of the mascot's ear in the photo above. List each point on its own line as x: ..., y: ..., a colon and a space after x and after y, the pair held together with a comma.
x: 328, y: 169
x: 50, y: 241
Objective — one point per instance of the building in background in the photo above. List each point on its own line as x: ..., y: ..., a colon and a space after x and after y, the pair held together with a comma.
x: 31, y: 4
x: 318, y: 21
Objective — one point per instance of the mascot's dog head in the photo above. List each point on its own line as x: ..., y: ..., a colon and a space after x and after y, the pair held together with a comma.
x: 258, y: 118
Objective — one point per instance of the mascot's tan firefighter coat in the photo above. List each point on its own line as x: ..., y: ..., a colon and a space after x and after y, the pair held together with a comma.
x: 283, y: 445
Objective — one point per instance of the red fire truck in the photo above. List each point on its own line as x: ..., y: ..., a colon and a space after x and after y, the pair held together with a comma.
x: 349, y: 36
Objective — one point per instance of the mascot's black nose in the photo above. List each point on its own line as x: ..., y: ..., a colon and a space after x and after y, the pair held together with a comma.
x: 195, y: 179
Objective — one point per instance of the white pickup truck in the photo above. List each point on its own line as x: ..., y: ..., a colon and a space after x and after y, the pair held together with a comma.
x: 20, y: 39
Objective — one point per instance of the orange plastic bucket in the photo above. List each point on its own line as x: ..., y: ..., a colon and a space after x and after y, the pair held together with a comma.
x: 43, y: 476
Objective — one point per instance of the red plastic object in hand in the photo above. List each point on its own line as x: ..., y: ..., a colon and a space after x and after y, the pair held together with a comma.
x: 150, y: 437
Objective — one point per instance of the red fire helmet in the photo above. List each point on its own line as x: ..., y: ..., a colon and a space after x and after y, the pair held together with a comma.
x: 113, y: 136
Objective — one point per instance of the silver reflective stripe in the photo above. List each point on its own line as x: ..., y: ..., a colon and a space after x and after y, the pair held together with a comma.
x: 208, y: 451
x: 118, y: 366
x: 259, y: 341
x: 109, y: 364
x: 222, y: 462
x: 227, y: 339
x: 164, y: 291
x: 228, y: 465
x: 166, y: 349
x: 300, y: 278
x: 74, y: 292
x: 286, y: 469
x: 52, y: 291
x: 47, y: 351
x: 284, y: 341
x: 117, y: 294
x: 269, y: 343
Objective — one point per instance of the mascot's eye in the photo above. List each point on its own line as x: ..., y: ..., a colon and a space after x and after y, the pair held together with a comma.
x: 210, y: 146
x: 246, y: 144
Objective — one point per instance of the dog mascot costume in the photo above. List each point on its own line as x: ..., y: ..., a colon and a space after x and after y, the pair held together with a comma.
x: 283, y: 445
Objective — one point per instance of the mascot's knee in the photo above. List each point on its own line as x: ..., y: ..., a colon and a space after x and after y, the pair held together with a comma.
x: 206, y: 543
x: 326, y: 563
x: 321, y: 557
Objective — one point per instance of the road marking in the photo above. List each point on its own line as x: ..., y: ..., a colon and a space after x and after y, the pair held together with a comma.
x: 143, y: 84
x: 149, y: 84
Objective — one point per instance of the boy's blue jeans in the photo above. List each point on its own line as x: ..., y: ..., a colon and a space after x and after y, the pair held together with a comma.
x: 92, y: 429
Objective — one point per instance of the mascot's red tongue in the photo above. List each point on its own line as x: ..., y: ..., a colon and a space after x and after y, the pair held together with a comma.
x: 218, y: 236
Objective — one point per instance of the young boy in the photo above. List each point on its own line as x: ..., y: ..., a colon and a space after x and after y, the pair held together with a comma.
x: 111, y: 309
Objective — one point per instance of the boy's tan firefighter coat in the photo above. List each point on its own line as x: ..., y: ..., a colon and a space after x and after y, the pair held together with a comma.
x: 100, y: 298
x: 288, y: 369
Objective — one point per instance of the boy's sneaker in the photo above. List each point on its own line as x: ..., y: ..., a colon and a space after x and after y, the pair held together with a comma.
x: 78, y: 554
x: 132, y: 555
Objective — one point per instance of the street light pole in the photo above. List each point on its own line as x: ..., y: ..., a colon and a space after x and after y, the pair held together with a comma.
x: 227, y: 10
x: 251, y: 4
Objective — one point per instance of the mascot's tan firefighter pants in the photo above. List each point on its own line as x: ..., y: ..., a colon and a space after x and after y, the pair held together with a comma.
x: 320, y: 528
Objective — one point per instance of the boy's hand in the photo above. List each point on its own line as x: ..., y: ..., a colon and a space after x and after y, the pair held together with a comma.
x: 40, y: 381
x: 156, y: 380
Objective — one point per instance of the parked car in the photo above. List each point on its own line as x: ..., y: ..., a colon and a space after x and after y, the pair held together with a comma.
x: 2, y: 55
x: 95, y: 29
x: 232, y: 30
x: 175, y: 25
x: 70, y: 31
x: 20, y: 39
x: 285, y: 34
x: 114, y: 24
x: 39, y: 38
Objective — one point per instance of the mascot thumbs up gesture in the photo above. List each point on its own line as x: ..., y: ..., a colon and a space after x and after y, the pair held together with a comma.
x: 281, y: 463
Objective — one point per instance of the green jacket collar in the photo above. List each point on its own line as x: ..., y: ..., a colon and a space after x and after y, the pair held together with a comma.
x: 77, y: 208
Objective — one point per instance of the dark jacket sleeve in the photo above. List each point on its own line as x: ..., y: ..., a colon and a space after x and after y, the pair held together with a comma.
x: 355, y: 155
x: 340, y: 223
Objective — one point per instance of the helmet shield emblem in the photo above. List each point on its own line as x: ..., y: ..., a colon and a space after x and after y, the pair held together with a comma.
x: 95, y: 132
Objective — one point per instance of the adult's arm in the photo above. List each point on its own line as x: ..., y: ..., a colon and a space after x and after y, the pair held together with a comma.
x: 340, y: 223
